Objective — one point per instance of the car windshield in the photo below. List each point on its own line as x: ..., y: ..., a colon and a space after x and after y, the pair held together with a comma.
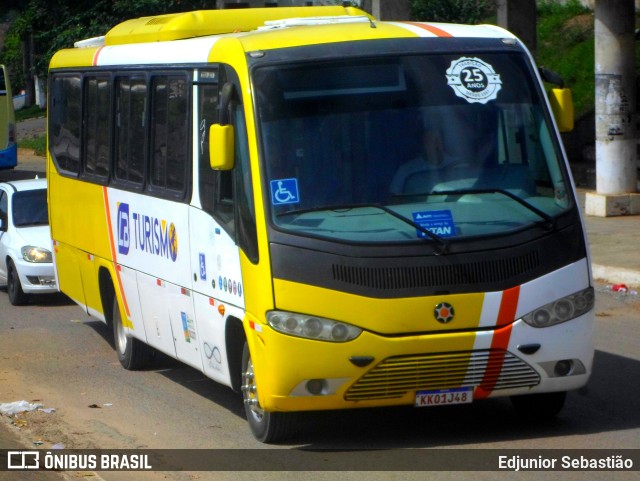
x: 378, y: 150
x: 30, y: 208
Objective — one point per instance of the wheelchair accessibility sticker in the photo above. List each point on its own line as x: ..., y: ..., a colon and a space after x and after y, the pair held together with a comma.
x: 284, y: 191
x: 473, y: 80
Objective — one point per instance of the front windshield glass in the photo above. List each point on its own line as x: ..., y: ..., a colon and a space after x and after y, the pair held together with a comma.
x: 30, y: 208
x: 380, y: 150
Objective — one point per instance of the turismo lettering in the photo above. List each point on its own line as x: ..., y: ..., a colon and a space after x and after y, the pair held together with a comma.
x: 155, y: 236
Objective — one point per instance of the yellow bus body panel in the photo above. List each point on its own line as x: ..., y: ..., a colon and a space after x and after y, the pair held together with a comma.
x: 210, y: 22
x: 86, y: 230
x: 7, y: 114
x: 319, y: 34
x: 280, y: 361
x: 386, y: 316
x: 74, y: 57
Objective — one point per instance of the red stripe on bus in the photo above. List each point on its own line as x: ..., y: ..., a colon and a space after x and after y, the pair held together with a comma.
x: 112, y: 246
x: 430, y: 28
x: 499, y: 343
x: 95, y: 56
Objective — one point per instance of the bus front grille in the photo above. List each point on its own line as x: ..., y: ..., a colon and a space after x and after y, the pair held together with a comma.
x: 395, y: 376
x: 442, y: 276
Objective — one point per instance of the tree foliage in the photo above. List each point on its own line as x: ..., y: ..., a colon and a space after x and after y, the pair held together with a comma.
x: 51, y: 26
x: 454, y: 11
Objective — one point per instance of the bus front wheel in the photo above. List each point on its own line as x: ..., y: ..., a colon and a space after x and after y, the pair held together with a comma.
x: 267, y: 427
x: 132, y: 353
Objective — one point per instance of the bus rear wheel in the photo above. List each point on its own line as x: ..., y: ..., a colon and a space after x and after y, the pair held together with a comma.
x: 539, y: 406
x: 132, y: 353
x: 267, y: 427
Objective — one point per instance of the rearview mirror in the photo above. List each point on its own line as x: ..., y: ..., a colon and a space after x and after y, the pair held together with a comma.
x: 561, y: 102
x: 221, y: 147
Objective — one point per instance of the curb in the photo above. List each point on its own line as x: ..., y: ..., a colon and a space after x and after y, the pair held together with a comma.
x: 616, y: 275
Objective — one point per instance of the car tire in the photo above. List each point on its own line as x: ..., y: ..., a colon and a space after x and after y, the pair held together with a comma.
x: 267, y: 427
x: 132, y: 353
x: 17, y: 297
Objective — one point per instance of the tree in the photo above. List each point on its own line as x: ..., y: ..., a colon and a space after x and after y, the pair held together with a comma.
x: 42, y: 28
x: 455, y: 11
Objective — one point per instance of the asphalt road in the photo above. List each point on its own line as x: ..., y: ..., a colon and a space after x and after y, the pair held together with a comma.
x: 52, y: 353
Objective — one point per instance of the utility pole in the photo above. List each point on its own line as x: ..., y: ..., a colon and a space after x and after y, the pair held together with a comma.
x: 520, y: 19
x: 616, y: 120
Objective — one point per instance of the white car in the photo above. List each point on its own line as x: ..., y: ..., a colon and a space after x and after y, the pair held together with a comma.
x: 26, y: 266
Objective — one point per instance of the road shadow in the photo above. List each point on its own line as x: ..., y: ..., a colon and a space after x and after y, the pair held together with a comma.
x: 44, y: 300
x: 8, y: 175
x: 182, y: 374
x: 609, y: 403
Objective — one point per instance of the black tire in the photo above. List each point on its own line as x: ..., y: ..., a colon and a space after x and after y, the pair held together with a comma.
x: 539, y: 406
x: 132, y: 353
x: 267, y: 427
x: 17, y: 297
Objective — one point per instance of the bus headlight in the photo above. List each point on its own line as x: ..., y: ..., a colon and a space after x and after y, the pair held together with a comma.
x: 36, y: 254
x: 562, y: 310
x: 312, y: 327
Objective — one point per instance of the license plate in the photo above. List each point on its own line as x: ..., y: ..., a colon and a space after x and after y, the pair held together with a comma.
x: 444, y: 397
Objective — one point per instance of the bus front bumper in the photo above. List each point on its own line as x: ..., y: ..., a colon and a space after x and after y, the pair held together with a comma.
x: 295, y: 374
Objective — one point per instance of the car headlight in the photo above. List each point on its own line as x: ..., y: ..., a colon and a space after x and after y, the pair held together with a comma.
x: 562, y: 310
x: 312, y: 327
x: 36, y: 254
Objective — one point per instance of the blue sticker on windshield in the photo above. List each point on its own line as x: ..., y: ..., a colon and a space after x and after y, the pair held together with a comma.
x: 284, y: 191
x: 440, y: 222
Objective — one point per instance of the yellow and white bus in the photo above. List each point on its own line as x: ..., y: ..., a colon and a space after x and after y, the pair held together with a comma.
x: 321, y: 210
x: 8, y: 145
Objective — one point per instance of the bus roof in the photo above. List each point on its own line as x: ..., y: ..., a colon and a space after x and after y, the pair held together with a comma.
x: 184, y: 38
x: 200, y: 23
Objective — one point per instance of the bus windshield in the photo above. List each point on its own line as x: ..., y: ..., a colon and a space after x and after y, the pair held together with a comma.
x: 406, y: 148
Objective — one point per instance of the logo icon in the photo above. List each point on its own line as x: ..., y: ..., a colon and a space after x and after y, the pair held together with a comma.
x: 173, y: 242
x: 23, y: 460
x: 473, y: 80
x: 123, y: 228
x: 444, y: 312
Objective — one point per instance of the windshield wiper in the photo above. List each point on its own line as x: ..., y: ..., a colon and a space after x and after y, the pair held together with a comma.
x: 549, y: 221
x: 442, y: 243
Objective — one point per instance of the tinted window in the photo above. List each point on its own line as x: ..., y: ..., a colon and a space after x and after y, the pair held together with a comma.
x: 30, y: 208
x: 98, y: 103
x: 65, y: 122
x: 170, y: 132
x: 130, y: 128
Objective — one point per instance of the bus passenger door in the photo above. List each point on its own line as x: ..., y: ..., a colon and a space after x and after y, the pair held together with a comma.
x: 215, y: 259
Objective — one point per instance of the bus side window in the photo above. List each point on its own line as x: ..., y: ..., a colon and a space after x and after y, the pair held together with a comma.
x: 97, y: 127
x: 65, y: 122
x: 223, y: 192
x: 216, y: 187
x: 207, y: 108
x: 130, y: 129
x: 169, y: 133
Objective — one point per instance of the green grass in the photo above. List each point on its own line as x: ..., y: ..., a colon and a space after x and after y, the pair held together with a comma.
x: 29, y: 113
x: 566, y: 46
x: 37, y: 144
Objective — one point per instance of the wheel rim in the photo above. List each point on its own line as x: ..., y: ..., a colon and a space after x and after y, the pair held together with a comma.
x: 121, y: 337
x: 250, y: 393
